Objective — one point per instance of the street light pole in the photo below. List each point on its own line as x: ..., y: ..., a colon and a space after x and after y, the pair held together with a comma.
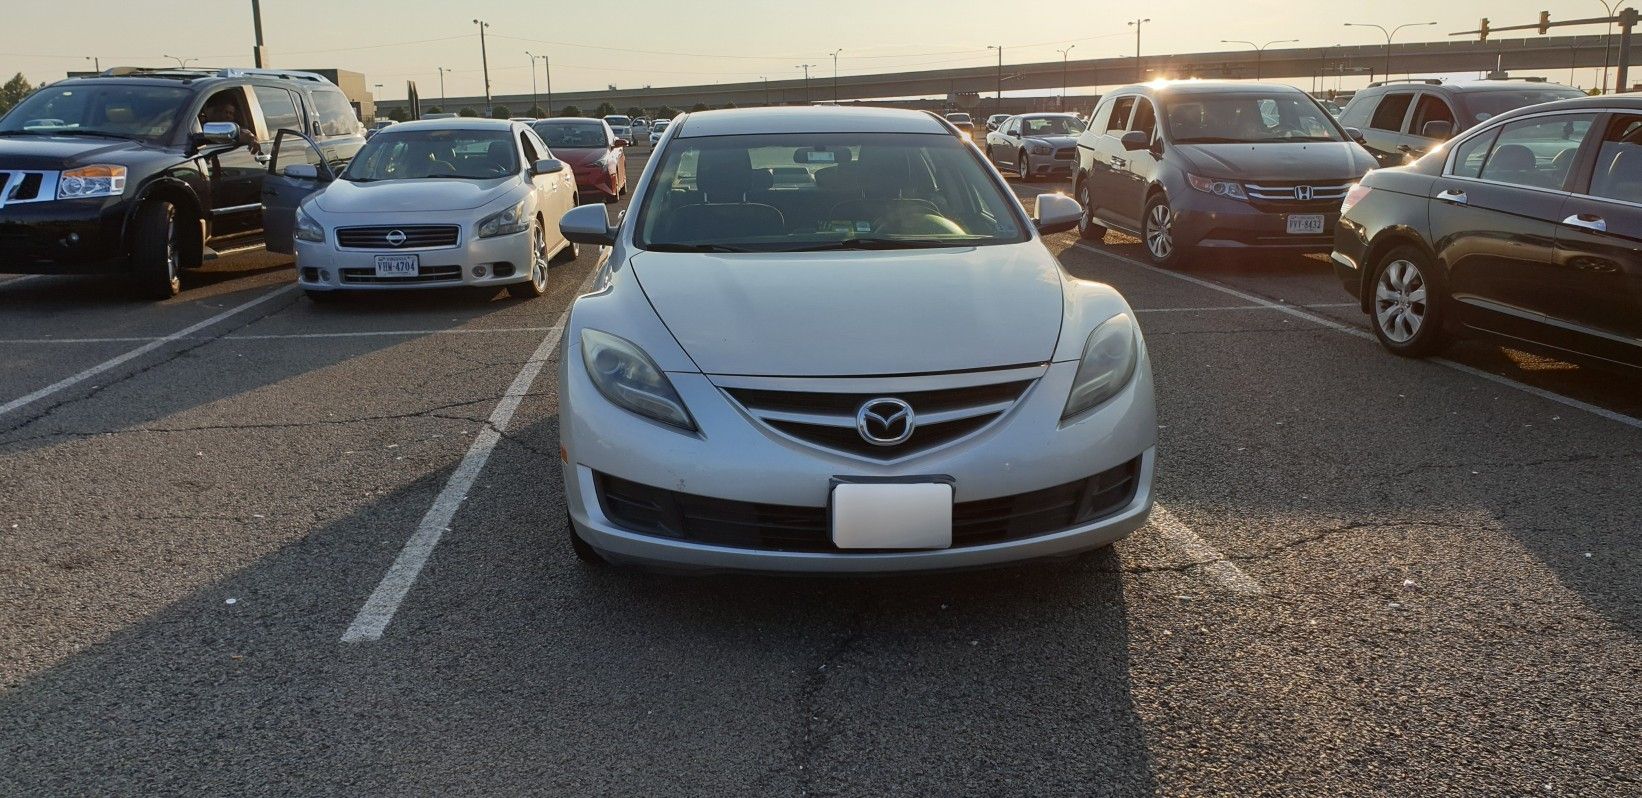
x: 442, y: 72
x: 1063, y: 75
x: 256, y: 22
x: 835, y: 74
x: 1259, y: 50
x: 1136, y: 25
x: 182, y: 63
x: 484, y: 60
x: 1388, y: 35
x: 806, y: 68
x: 96, y: 63
x: 766, y: 90
x: 1607, y: 41
x: 998, y: 107
x: 533, y: 102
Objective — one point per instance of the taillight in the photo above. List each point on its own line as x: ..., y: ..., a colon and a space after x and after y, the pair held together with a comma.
x: 1354, y: 195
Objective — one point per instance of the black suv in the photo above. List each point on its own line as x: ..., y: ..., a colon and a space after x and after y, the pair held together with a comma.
x: 1528, y: 227
x: 148, y: 172
x: 1403, y: 119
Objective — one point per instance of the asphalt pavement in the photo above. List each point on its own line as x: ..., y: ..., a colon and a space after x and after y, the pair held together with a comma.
x: 1367, y: 576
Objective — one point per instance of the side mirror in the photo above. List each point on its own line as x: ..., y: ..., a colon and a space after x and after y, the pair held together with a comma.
x: 301, y: 171
x: 1136, y: 140
x: 991, y: 126
x: 1438, y: 129
x: 1355, y: 135
x: 622, y: 143
x: 547, y: 166
x: 1056, y: 213
x: 220, y: 133
x: 589, y: 224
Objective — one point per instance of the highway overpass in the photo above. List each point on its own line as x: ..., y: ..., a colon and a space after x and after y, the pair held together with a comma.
x: 1303, y: 63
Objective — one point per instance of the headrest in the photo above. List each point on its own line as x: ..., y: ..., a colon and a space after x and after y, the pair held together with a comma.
x: 726, y: 172
x: 119, y: 114
x: 1626, y: 166
x: 499, y: 151
x: 1511, y: 158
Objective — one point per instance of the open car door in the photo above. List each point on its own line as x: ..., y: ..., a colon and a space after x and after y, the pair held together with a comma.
x: 296, y: 169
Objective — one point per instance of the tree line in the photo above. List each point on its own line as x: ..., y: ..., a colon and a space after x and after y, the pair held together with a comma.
x: 538, y: 112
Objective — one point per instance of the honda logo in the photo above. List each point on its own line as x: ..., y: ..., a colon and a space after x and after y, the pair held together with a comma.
x: 1302, y: 193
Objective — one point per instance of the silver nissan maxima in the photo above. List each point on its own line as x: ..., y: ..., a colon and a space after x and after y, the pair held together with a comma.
x: 831, y: 340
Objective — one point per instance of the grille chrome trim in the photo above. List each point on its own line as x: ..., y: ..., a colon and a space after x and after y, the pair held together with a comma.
x: 417, y: 236
x: 15, y: 183
x: 1288, y: 193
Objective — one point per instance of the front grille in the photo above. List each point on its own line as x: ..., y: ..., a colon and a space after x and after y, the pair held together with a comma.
x: 659, y: 512
x: 1066, y: 153
x: 828, y: 419
x: 428, y: 274
x: 427, y: 236
x: 1290, y: 191
x: 17, y: 187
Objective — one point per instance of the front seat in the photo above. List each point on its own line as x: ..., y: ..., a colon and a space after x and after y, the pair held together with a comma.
x: 724, y: 178
x: 499, y: 157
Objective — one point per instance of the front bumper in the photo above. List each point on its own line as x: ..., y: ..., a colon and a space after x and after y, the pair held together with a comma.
x: 325, y: 267
x: 737, y: 459
x: 1048, y: 165
x: 63, y: 237
x: 1211, y: 222
x: 595, y: 184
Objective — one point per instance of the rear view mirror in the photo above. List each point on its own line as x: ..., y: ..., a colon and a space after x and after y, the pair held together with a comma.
x: 547, y: 166
x: 588, y: 224
x: 1355, y: 135
x: 1136, y: 140
x: 1437, y: 129
x: 220, y: 133
x: 1056, y: 213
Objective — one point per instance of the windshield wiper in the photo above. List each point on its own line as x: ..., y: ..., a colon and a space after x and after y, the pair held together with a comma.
x: 19, y: 133
x: 693, y: 248
x: 1212, y: 140
x: 878, y: 243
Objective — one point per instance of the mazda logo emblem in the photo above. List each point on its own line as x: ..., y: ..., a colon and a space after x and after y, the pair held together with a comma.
x: 885, y: 422
x: 396, y: 238
x: 1302, y: 192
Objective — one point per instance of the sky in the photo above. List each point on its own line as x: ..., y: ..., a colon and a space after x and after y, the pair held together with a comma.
x: 673, y: 42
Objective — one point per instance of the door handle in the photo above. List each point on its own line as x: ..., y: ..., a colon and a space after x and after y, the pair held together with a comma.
x: 1454, y: 196
x: 262, y: 158
x: 1587, y: 221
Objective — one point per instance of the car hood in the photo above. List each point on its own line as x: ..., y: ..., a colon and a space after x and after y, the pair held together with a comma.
x: 56, y: 152
x: 579, y: 156
x: 858, y: 313
x: 1055, y: 141
x: 1319, y: 160
x: 412, y: 196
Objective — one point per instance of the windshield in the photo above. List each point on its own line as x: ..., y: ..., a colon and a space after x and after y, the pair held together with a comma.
x: 144, y: 113
x: 964, y: 118
x: 1050, y: 126
x: 618, y: 121
x: 1485, y: 105
x: 1247, y: 119
x: 410, y: 155
x: 573, y: 135
x: 811, y: 192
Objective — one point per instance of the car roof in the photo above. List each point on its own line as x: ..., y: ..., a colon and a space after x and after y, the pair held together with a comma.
x: 810, y: 119
x: 561, y: 120
x: 1195, y: 86
x: 458, y: 123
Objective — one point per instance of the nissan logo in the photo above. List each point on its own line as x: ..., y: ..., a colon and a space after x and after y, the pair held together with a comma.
x: 885, y: 422
x: 396, y: 238
x: 1302, y: 193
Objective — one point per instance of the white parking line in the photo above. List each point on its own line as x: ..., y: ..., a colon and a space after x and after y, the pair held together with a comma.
x: 379, y: 609
x: 1243, y: 307
x: 139, y: 351
x: 283, y: 336
x: 1206, y: 558
x: 1602, y: 412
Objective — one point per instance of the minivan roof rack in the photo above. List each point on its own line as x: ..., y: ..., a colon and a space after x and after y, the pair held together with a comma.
x: 1426, y: 81
x: 1504, y: 76
x: 191, y: 73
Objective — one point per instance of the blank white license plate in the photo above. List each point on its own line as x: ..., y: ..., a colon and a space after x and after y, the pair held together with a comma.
x: 397, y: 266
x: 1305, y: 224
x: 898, y: 515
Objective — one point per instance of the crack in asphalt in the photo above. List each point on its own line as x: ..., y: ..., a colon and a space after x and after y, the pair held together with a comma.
x: 810, y: 738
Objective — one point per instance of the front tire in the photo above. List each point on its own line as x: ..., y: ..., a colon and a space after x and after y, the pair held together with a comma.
x: 537, y: 284
x: 1157, y: 233
x: 1406, y: 305
x: 1088, y: 230
x: 1023, y: 168
x: 156, y: 258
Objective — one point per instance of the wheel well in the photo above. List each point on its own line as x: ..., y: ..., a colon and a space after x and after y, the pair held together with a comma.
x: 1377, y: 250
x: 186, y: 205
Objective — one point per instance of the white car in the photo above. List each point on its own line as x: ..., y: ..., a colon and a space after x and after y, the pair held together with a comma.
x: 457, y: 202
x: 832, y: 340
x: 656, y: 129
x: 621, y: 124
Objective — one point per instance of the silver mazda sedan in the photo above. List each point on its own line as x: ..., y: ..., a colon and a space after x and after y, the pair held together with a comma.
x: 832, y: 340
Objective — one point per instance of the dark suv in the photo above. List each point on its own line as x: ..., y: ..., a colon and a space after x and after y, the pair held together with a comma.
x: 1528, y: 227
x: 1403, y: 119
x: 1217, y: 165
x: 148, y: 172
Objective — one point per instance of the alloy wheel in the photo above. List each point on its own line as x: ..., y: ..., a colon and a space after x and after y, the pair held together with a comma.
x: 1022, y: 169
x: 538, y: 263
x: 1159, y: 238
x: 1400, y: 300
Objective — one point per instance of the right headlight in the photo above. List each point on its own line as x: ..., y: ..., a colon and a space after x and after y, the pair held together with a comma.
x: 1108, y: 363
x: 307, y: 228
x: 1219, y: 188
x: 630, y: 379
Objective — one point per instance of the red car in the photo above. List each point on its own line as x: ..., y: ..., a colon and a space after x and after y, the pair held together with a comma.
x: 593, y: 152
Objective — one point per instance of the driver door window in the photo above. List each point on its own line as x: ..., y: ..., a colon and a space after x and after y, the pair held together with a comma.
x: 1119, y: 120
x: 1145, y: 119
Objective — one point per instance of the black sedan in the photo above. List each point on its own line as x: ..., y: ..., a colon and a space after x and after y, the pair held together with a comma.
x: 1528, y: 228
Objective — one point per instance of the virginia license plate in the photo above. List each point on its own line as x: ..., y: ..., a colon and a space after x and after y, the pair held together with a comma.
x: 397, y: 266
x: 1305, y: 224
x: 892, y: 515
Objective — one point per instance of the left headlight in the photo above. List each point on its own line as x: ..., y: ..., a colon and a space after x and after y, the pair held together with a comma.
x: 630, y: 379
x: 1038, y: 148
x: 96, y: 180
x: 505, y: 223
x: 307, y: 227
x: 1108, y: 363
